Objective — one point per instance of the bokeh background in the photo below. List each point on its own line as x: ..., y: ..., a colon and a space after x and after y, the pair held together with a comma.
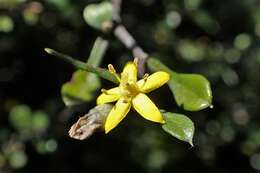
x: 217, y: 38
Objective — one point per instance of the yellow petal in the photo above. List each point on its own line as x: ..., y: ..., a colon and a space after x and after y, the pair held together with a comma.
x: 109, y: 96
x: 153, y: 81
x: 117, y: 114
x: 130, y: 72
x: 145, y: 107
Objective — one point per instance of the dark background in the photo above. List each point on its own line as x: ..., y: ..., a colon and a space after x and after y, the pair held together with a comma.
x: 216, y: 38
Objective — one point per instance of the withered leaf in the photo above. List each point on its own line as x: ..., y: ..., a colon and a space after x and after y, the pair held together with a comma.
x: 91, y: 122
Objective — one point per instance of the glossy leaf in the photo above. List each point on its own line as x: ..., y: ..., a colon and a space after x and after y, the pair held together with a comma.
x: 179, y: 126
x: 192, y: 91
x: 96, y: 15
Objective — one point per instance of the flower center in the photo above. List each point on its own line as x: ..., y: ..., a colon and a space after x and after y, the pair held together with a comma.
x: 130, y: 89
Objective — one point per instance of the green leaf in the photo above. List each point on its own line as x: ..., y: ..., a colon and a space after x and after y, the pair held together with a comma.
x: 80, y: 88
x: 17, y: 159
x: 96, y: 15
x: 192, y: 91
x: 83, y: 84
x: 6, y: 23
x: 40, y: 121
x: 20, y: 117
x: 179, y: 126
x: 206, y: 21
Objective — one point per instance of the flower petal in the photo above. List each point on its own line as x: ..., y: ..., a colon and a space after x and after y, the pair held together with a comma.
x: 110, y: 96
x: 117, y: 114
x: 145, y: 107
x: 130, y: 72
x: 153, y: 81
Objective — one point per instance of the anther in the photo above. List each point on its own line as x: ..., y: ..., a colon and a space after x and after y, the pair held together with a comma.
x: 136, y: 61
x: 125, y: 101
x: 145, y: 77
x: 104, y: 91
x: 111, y: 68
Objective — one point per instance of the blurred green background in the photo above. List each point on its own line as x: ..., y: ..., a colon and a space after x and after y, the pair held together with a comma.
x: 217, y: 38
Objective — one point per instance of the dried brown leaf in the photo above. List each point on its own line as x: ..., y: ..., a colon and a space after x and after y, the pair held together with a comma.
x: 93, y: 121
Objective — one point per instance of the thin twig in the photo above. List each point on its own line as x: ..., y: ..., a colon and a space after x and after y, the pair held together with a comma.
x: 83, y: 66
x: 127, y: 39
x: 116, y: 10
x: 124, y: 36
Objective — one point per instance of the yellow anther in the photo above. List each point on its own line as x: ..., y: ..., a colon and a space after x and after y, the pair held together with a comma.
x: 136, y: 61
x: 104, y: 91
x: 145, y: 77
x: 130, y: 93
x: 111, y: 68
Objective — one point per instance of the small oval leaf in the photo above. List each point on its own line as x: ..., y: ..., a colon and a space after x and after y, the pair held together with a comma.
x: 192, y: 91
x: 96, y: 15
x: 179, y: 126
x: 40, y: 121
x: 20, y: 117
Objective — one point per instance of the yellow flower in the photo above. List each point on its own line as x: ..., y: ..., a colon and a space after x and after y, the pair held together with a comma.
x: 131, y: 92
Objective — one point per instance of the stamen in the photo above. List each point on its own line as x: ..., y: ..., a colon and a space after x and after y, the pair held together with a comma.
x: 145, y: 77
x: 104, y: 91
x: 125, y: 101
x: 111, y: 68
x: 136, y: 61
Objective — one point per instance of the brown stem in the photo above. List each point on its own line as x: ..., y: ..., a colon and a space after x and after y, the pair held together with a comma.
x: 127, y: 39
x: 116, y: 9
